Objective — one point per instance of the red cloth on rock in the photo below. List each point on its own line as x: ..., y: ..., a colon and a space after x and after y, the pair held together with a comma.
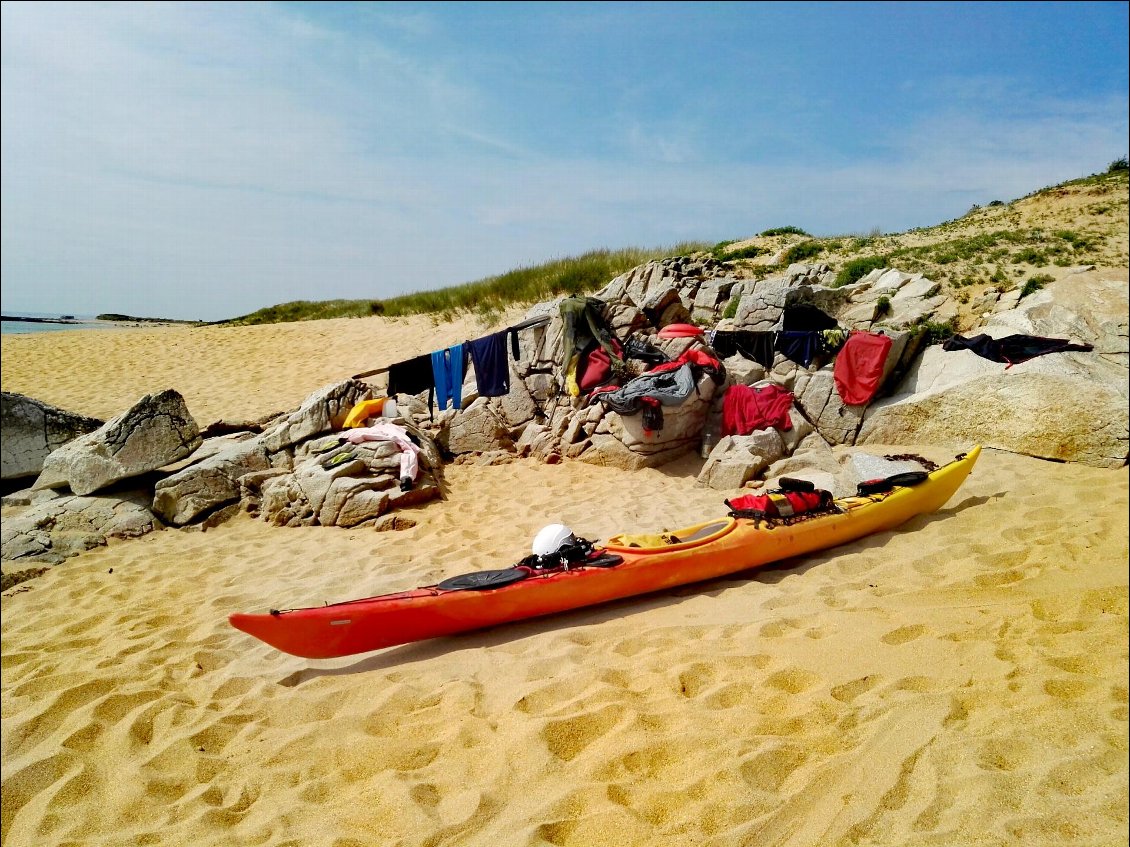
x: 746, y: 409
x: 700, y: 358
x: 859, y: 366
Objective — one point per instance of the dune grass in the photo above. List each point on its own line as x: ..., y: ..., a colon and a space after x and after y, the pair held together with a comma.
x: 523, y: 286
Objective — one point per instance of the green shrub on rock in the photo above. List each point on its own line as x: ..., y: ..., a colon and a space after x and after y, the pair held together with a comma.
x: 856, y: 269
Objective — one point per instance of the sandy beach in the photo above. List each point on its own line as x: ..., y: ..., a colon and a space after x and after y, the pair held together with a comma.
x: 960, y: 681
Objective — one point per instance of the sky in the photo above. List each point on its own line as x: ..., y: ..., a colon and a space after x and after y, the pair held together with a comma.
x: 200, y: 161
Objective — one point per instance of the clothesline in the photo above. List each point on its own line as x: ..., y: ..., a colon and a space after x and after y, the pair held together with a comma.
x: 861, y: 355
x: 801, y: 346
x: 533, y: 322
x: 440, y: 373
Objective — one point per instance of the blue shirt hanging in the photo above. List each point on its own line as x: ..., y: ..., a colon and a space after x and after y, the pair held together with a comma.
x: 447, y: 368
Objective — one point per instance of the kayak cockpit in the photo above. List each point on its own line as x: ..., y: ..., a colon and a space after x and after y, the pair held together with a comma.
x: 669, y: 541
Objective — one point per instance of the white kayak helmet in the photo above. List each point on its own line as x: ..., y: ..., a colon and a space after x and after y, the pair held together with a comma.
x: 552, y: 538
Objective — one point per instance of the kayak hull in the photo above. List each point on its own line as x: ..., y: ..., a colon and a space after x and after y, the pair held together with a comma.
x: 715, y: 549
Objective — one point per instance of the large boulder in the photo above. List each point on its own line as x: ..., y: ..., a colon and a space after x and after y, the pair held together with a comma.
x: 330, y: 493
x: 760, y: 309
x: 665, y: 306
x: 813, y: 460
x: 314, y: 495
x: 1070, y: 406
x: 214, y: 482
x: 711, y: 296
x: 609, y: 451
x: 295, y: 499
x: 621, y: 441
x: 860, y: 467
x: 908, y: 312
x: 537, y: 441
x: 30, y: 430
x: 817, y: 395
x: 738, y: 458
x: 517, y: 406
x: 1087, y: 307
x: 209, y: 484
x: 681, y: 424
x: 478, y: 429
x: 892, y: 298
x: 644, y: 282
x: 156, y: 431
x: 1036, y: 408
x: 742, y: 371
x: 816, y: 462
x: 323, y: 411
x: 540, y: 346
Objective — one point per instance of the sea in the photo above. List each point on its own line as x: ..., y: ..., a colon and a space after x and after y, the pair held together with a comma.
x: 8, y: 327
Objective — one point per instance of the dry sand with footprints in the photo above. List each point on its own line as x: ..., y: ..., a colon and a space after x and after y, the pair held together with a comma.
x: 961, y: 681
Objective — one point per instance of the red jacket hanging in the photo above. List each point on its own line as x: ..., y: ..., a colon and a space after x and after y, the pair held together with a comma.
x: 859, y: 366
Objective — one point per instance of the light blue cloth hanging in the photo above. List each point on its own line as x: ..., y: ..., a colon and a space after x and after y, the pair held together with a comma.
x: 447, y: 368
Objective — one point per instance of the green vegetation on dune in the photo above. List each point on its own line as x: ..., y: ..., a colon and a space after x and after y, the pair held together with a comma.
x: 784, y: 230
x: 992, y: 245
x: 578, y: 275
x: 1116, y: 172
x: 981, y: 247
x: 855, y: 269
x: 801, y: 252
x: 724, y: 253
x: 1035, y: 284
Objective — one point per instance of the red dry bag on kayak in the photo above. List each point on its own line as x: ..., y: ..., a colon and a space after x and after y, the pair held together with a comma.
x: 780, y: 504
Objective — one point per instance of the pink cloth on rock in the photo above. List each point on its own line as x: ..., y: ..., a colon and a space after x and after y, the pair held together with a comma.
x: 409, y: 463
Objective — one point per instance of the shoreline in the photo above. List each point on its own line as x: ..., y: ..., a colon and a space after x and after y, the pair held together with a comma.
x: 35, y: 327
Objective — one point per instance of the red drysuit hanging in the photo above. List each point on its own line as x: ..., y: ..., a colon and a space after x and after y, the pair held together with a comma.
x: 859, y: 366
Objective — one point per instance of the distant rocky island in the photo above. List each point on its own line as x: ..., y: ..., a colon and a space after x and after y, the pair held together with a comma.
x: 109, y: 316
x: 113, y: 316
x: 65, y: 319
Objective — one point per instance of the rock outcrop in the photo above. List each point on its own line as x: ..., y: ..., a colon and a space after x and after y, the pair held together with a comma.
x: 275, y: 473
x: 157, y: 430
x: 913, y: 403
x: 1070, y: 406
x: 52, y: 527
x: 324, y: 491
x: 32, y: 430
x: 211, y: 483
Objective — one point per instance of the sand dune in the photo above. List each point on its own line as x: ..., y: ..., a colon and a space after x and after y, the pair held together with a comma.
x: 961, y: 681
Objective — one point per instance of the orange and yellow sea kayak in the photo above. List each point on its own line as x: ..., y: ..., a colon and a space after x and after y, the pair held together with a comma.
x: 717, y: 548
